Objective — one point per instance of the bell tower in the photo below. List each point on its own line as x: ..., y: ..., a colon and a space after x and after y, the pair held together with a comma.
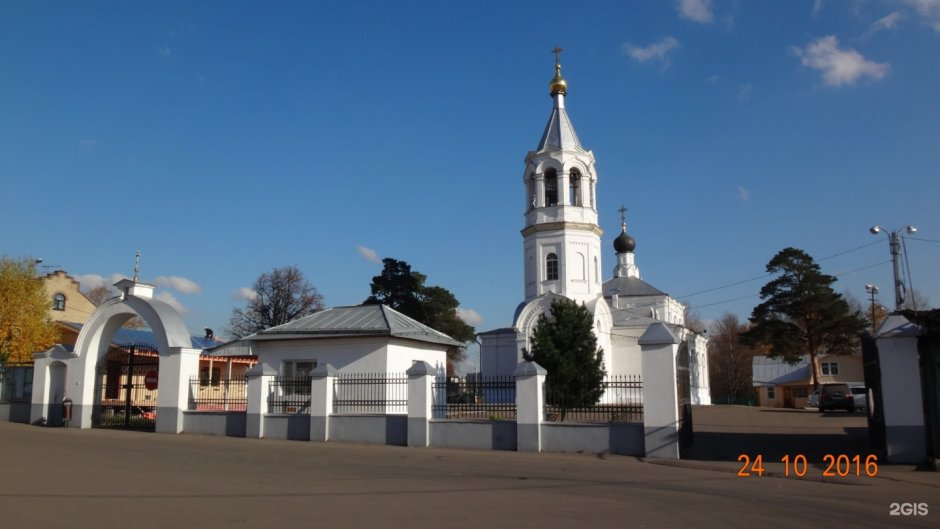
x: 561, y: 238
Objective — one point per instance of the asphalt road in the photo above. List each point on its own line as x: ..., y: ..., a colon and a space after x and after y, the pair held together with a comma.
x: 76, y: 479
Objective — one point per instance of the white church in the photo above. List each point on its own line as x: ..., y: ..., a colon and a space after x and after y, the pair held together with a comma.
x: 562, y: 259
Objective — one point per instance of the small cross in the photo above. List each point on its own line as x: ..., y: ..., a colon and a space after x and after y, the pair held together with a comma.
x: 557, y: 51
x: 623, y: 217
x: 136, y: 265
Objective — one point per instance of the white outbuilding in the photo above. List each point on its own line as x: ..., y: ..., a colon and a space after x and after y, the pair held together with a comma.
x: 356, y: 339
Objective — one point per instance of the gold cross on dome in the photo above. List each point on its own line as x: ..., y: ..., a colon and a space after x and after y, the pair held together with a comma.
x: 557, y: 51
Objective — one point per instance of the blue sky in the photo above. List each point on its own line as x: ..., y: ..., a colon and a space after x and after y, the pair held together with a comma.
x: 223, y: 139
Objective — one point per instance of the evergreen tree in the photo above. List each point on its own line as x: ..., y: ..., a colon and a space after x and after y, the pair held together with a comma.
x: 801, y: 313
x: 564, y: 344
x: 403, y: 289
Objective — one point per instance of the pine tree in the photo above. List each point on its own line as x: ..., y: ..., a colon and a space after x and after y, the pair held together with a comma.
x: 564, y: 344
x: 801, y: 313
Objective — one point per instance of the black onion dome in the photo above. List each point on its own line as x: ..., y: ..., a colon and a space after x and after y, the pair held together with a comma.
x: 624, y: 243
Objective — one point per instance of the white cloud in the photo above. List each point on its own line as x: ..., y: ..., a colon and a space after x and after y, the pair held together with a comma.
x: 179, y: 284
x: 745, y: 91
x: 164, y: 52
x: 368, y: 254
x: 92, y: 281
x: 743, y: 194
x: 696, y: 10
x: 170, y: 300
x: 888, y: 22
x: 928, y: 9
x: 469, y: 316
x: 817, y: 7
x: 244, y: 293
x: 839, y: 66
x: 657, y: 51
x: 89, y: 143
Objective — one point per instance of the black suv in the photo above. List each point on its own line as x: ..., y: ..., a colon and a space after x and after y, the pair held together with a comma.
x: 836, y: 397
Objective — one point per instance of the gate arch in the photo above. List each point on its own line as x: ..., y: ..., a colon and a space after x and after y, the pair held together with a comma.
x: 178, y: 360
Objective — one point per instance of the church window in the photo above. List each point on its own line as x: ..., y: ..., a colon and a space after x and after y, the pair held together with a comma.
x: 574, y: 187
x: 58, y: 301
x: 551, y: 188
x: 551, y: 267
x: 581, y: 267
x: 597, y: 270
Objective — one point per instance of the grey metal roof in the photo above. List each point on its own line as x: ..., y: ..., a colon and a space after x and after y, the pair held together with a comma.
x: 359, y: 320
x: 559, y: 133
x: 773, y: 371
x: 631, y: 286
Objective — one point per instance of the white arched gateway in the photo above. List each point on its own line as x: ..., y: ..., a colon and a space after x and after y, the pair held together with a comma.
x: 61, y: 374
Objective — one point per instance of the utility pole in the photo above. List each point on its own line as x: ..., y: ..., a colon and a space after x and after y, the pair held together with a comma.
x: 872, y: 289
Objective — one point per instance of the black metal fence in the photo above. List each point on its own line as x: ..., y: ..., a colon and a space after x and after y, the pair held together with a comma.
x: 474, y: 397
x: 621, y: 401
x: 289, y: 395
x: 218, y: 394
x: 370, y: 393
x: 16, y: 382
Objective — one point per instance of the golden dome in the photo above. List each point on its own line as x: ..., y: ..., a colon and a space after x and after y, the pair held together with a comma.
x: 558, y: 84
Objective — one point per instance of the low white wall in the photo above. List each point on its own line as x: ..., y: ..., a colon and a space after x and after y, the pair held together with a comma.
x: 622, y: 439
x: 291, y: 427
x: 230, y: 423
x: 373, y: 429
x: 482, y: 435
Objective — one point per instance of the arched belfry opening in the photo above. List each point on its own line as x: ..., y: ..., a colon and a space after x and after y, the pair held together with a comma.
x: 574, y: 188
x: 551, y: 188
x: 141, y: 384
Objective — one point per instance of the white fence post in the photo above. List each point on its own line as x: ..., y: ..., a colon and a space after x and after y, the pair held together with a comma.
x: 530, y: 406
x: 901, y: 394
x: 176, y: 369
x: 259, y: 381
x: 321, y: 401
x: 660, y: 348
x: 420, y: 381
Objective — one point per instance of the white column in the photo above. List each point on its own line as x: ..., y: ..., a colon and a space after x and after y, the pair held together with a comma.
x: 176, y: 369
x: 259, y: 380
x: 660, y: 349
x: 901, y: 393
x: 321, y: 401
x: 420, y: 380
x: 530, y: 406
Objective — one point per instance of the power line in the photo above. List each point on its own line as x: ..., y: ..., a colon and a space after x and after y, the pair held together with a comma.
x: 921, y: 239
x: 755, y: 278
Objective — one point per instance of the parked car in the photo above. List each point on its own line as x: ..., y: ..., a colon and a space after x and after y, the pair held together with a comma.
x: 836, y: 397
x: 860, y: 394
x: 813, y: 401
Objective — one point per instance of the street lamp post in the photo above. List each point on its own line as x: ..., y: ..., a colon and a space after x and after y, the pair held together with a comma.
x: 894, y: 239
x: 872, y: 289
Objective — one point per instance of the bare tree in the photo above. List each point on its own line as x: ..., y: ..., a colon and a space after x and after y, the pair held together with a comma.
x: 280, y: 296
x: 730, y: 361
x: 102, y: 293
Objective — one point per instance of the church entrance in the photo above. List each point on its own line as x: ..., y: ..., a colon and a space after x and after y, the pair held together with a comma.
x: 126, y: 388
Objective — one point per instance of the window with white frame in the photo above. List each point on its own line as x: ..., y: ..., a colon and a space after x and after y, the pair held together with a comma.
x: 830, y: 368
x: 58, y: 301
x: 551, y: 267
